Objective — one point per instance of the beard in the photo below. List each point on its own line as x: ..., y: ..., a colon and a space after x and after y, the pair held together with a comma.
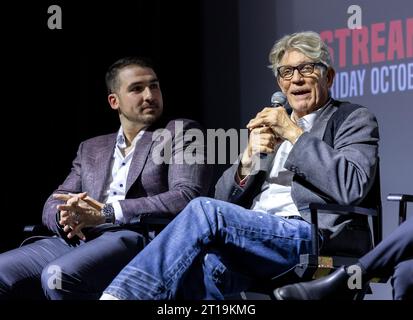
x: 149, y: 119
x: 142, y: 118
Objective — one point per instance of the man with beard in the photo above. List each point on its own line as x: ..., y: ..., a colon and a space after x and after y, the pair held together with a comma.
x: 116, y: 179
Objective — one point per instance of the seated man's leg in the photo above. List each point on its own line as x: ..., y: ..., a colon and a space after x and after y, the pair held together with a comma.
x: 213, y: 279
x: 402, y: 281
x: 261, y: 245
x: 84, y: 272
x: 21, y: 268
x: 398, y: 246
x: 221, y: 278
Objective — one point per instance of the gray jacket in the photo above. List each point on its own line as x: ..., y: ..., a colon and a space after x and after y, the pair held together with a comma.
x: 342, y: 173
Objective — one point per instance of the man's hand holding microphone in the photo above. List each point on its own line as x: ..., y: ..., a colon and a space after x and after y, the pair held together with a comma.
x: 268, y: 129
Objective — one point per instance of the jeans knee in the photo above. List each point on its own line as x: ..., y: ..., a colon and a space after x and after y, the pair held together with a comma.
x: 203, y: 207
x: 198, y: 202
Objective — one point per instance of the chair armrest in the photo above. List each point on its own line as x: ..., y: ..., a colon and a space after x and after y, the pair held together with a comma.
x: 402, y: 198
x: 30, y: 228
x: 34, y: 232
x: 35, y: 229
x: 334, y: 209
x: 342, y: 209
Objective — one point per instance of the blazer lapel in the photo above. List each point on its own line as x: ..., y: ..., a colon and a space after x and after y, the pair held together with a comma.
x: 103, y: 162
x: 317, y: 130
x: 320, y: 124
x: 140, y: 155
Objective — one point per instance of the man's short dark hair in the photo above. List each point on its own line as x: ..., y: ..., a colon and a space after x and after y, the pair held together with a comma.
x: 112, y: 80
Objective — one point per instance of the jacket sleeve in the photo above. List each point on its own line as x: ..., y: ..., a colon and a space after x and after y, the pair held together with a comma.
x: 344, y: 173
x: 226, y: 188
x: 72, y: 184
x: 186, y: 180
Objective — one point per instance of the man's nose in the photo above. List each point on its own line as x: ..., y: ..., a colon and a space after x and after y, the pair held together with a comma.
x: 297, y: 77
x: 147, y: 94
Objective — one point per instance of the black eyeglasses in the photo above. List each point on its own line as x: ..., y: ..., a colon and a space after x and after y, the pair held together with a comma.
x: 305, y: 69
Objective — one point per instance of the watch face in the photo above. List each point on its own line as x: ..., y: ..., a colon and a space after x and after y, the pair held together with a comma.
x: 108, y: 212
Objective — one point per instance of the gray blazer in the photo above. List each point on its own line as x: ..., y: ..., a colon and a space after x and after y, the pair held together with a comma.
x: 342, y: 174
x: 151, y: 189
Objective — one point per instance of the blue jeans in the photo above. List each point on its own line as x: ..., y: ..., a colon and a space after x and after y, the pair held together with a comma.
x: 212, y: 249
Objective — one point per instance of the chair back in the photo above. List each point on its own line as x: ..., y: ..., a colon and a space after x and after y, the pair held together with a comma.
x: 373, y: 201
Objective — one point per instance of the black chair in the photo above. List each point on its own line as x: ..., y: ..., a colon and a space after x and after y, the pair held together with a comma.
x: 402, y: 199
x: 313, y: 266
x: 319, y: 263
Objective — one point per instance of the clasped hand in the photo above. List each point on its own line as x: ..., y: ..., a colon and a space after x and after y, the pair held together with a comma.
x: 279, y: 121
x: 78, y: 212
x: 269, y: 128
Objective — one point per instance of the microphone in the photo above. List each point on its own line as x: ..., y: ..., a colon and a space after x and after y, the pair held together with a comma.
x: 278, y: 99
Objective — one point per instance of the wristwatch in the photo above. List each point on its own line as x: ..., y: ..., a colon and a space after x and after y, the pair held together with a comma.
x: 109, y: 213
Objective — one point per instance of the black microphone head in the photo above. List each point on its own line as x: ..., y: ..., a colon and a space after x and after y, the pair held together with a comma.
x: 278, y: 98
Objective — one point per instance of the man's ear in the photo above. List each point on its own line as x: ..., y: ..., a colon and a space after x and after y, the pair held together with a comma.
x: 113, y: 100
x: 330, y: 76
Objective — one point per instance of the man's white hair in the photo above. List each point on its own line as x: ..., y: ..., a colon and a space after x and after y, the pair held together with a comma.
x: 308, y: 42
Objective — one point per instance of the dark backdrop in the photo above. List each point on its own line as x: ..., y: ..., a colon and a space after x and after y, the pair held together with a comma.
x: 54, y: 92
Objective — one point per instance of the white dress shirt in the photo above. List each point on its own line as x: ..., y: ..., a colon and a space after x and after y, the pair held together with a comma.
x: 116, y: 184
x: 275, y: 197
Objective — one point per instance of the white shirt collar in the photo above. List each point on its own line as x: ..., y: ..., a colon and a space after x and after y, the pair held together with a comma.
x: 307, y: 122
x: 121, y: 139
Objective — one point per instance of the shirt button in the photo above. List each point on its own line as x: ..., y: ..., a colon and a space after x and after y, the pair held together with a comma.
x: 121, y: 185
x: 123, y: 163
x: 115, y: 193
